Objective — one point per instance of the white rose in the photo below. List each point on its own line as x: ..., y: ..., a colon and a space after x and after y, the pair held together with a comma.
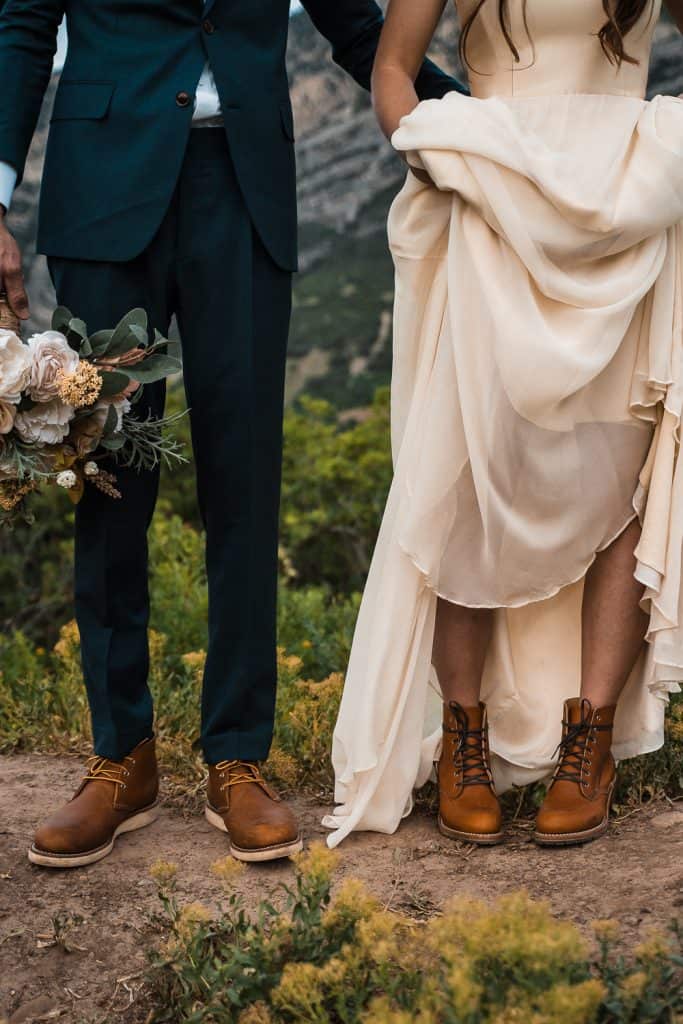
x: 67, y: 479
x: 51, y: 355
x: 101, y: 411
x: 15, y: 367
x: 7, y: 414
x: 47, y: 423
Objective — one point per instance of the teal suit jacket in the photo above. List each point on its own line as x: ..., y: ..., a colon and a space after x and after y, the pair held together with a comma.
x: 124, y: 104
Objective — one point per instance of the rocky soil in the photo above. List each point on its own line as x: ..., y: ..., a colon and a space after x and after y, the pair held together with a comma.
x: 72, y: 943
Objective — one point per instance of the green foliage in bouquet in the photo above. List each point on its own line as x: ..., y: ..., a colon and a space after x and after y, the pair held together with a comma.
x: 65, y: 403
x: 319, y: 958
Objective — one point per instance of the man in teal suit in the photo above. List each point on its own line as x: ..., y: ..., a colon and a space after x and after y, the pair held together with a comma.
x: 169, y: 183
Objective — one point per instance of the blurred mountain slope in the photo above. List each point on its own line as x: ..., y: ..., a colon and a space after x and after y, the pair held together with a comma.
x: 341, y: 329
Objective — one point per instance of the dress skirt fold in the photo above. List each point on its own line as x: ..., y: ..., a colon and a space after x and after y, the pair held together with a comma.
x: 536, y: 406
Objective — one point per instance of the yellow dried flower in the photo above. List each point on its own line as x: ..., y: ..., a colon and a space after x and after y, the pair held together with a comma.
x: 227, y: 870
x: 288, y: 662
x: 13, y: 492
x: 299, y: 992
x: 606, y: 929
x: 465, y: 991
x: 190, y: 919
x: 657, y: 946
x: 318, y: 862
x: 194, y: 659
x: 157, y: 644
x: 164, y: 873
x: 69, y: 640
x: 81, y: 388
x: 283, y: 766
x: 571, y: 1004
x: 351, y: 903
x: 632, y: 988
x: 258, y: 1013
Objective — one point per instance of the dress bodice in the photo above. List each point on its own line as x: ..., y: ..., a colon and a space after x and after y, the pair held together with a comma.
x: 560, y: 52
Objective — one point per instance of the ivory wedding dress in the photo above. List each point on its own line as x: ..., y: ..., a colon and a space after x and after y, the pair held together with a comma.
x: 537, y: 396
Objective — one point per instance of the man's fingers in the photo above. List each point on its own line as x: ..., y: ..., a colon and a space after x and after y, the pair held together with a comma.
x: 16, y: 293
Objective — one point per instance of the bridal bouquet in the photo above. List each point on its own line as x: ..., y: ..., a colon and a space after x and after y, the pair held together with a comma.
x: 65, y: 403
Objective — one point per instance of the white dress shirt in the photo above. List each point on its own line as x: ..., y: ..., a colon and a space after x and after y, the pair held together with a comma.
x: 206, y: 107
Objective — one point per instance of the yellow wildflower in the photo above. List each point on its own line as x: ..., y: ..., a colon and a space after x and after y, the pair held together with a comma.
x: 606, y: 929
x: 69, y: 640
x: 227, y: 870
x: 632, y: 988
x: 656, y: 946
x: 318, y: 862
x: 164, y: 873
x: 258, y: 1013
x: 194, y: 659
x: 190, y: 919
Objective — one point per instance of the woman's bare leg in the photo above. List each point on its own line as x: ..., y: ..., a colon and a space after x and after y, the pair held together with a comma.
x: 612, y: 622
x: 461, y: 640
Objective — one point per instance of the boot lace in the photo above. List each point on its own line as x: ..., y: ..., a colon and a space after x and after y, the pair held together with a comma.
x: 236, y: 772
x: 577, y: 742
x: 470, y: 749
x: 102, y: 768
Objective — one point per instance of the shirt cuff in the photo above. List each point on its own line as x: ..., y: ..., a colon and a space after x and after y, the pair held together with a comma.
x: 8, y: 179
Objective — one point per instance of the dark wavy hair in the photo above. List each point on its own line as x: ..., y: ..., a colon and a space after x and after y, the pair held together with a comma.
x: 622, y: 15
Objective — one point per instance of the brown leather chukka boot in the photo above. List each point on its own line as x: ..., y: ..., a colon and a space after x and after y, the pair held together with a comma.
x: 576, y: 806
x: 114, y: 797
x: 468, y: 805
x: 259, y: 824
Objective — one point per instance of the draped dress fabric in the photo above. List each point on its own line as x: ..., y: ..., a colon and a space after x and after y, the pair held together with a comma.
x: 536, y: 400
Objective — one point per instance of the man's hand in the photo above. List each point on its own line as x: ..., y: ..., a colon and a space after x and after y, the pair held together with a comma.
x: 11, y: 274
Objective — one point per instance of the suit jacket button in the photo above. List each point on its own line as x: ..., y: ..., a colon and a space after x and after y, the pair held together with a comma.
x: 208, y: 26
x: 183, y: 99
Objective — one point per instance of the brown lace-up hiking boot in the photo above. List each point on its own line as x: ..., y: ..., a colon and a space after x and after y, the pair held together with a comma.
x: 576, y: 806
x: 468, y: 805
x: 114, y: 797
x: 240, y: 802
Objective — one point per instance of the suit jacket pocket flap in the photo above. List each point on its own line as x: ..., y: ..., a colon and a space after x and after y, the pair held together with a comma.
x: 87, y: 101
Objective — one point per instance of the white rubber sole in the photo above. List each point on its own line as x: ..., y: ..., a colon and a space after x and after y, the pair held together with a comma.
x: 79, y: 860
x: 480, y: 838
x: 254, y: 856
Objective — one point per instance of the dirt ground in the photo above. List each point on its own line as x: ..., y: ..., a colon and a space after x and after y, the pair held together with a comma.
x: 634, y: 874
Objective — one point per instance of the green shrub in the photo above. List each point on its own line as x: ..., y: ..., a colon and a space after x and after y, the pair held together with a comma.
x: 316, y: 958
x: 335, y: 484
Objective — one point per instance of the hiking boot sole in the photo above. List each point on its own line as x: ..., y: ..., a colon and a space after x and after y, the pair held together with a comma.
x: 46, y: 859
x: 259, y: 854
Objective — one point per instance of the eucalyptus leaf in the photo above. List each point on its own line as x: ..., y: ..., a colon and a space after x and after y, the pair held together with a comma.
x: 111, y: 422
x: 100, y: 341
x: 129, y: 333
x: 76, y: 333
x: 113, y: 443
x: 114, y: 382
x: 61, y: 319
x: 86, y: 348
x: 157, y: 367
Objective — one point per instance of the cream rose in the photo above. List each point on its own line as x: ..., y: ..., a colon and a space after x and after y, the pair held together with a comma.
x: 7, y: 414
x: 51, y: 356
x: 15, y: 367
x: 46, y: 423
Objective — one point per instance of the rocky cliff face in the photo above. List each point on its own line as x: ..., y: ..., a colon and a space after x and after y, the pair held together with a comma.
x: 341, y: 330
